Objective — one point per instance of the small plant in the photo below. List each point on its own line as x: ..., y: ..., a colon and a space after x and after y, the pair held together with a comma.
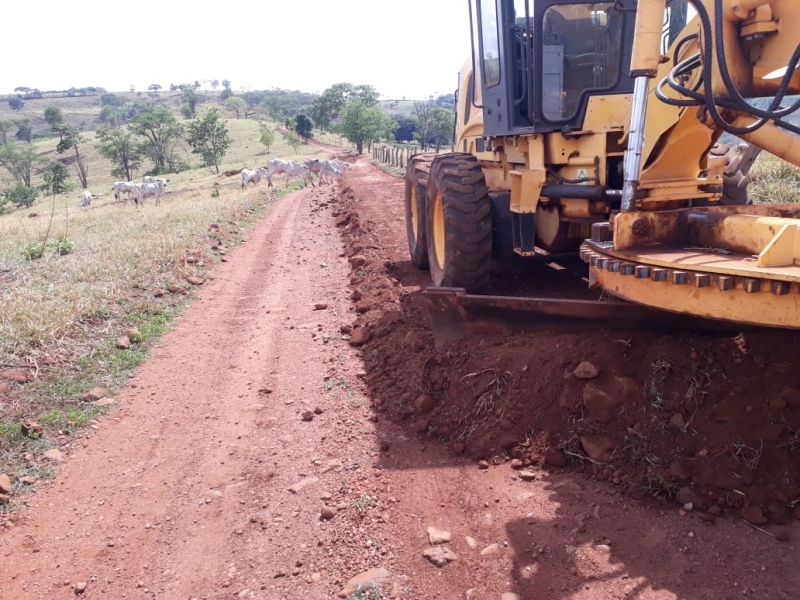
x: 33, y: 251
x: 63, y: 245
x: 215, y: 192
x: 366, y: 592
x: 792, y: 442
x: 365, y: 501
x: 658, y: 486
x: 657, y: 399
x: 745, y: 455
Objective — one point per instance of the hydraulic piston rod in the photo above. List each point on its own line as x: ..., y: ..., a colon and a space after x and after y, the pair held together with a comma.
x: 644, y: 67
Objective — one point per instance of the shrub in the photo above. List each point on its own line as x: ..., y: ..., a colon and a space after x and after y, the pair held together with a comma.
x: 21, y: 196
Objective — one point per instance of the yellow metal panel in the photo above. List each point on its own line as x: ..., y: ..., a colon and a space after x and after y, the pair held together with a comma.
x: 526, y: 187
x: 782, y: 250
x: 606, y: 113
x: 558, y: 148
x: 495, y: 180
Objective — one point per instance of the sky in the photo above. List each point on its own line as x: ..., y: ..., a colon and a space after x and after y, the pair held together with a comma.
x: 404, y: 48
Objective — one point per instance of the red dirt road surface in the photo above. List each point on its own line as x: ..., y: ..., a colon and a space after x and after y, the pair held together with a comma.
x: 297, y: 429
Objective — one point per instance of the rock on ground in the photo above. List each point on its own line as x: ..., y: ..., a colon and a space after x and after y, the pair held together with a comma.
x: 586, y: 370
x: 440, y: 555
x: 438, y: 536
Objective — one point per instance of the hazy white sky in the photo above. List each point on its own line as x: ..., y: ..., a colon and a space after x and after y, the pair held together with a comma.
x: 410, y: 48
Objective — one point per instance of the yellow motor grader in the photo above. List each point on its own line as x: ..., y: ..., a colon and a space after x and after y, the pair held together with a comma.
x: 595, y: 127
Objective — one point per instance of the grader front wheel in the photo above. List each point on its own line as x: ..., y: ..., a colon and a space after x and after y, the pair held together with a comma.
x: 416, y: 179
x: 459, y: 223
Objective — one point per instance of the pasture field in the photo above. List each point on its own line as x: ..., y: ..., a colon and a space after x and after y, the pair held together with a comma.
x: 62, y: 314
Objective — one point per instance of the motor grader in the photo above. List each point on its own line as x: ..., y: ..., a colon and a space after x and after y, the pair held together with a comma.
x: 595, y: 127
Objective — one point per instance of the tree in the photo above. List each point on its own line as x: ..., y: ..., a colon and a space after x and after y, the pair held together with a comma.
x: 227, y: 92
x: 69, y: 138
x: 191, y: 99
x: 120, y: 147
x: 112, y: 100
x: 56, y: 182
x: 132, y: 88
x: 330, y: 104
x: 16, y: 104
x: 361, y: 123
x: 162, y: 132
x: 303, y: 126
x: 214, y: 84
x: 116, y: 116
x: 24, y: 131
x: 21, y: 196
x: 53, y: 116
x: 237, y: 105
x: 434, y: 125
x: 292, y: 140
x: 442, y: 127
x: 5, y: 127
x: 154, y: 87
x: 406, y: 126
x: 209, y: 138
x: 267, y: 136
x: 19, y: 160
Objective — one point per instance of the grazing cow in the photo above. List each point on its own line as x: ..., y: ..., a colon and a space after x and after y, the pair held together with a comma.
x: 86, y: 198
x: 291, y: 169
x: 143, y: 190
x: 321, y: 168
x: 123, y: 187
x: 254, y: 177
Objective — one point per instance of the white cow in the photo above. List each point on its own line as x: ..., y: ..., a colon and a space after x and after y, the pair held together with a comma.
x: 291, y: 169
x: 123, y: 187
x: 151, y: 179
x: 143, y: 190
x: 340, y: 165
x: 254, y: 177
x: 86, y: 198
x: 321, y: 168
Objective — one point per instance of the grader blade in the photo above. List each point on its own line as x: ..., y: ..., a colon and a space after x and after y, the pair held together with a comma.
x: 454, y: 315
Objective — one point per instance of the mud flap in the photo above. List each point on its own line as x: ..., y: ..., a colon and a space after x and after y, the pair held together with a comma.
x: 454, y: 315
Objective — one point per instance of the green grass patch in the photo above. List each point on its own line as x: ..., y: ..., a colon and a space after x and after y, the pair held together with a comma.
x: 773, y: 180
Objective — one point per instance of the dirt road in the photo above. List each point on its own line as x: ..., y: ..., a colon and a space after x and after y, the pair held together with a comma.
x: 257, y: 455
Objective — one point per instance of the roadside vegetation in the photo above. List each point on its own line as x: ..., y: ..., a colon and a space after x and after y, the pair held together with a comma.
x: 74, y: 281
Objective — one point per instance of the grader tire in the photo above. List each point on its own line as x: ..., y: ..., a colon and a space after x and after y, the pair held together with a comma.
x: 416, y: 180
x: 459, y: 223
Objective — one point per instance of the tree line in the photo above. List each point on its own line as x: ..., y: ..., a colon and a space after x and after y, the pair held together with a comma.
x: 133, y: 132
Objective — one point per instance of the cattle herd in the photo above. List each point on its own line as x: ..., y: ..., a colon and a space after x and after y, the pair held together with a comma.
x: 156, y: 187
x: 294, y: 170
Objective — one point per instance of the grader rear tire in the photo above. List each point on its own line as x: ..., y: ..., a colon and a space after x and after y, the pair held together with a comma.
x: 416, y: 180
x: 459, y: 223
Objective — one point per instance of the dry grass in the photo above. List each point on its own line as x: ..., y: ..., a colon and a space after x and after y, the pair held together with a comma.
x: 774, y: 181
x: 116, y: 247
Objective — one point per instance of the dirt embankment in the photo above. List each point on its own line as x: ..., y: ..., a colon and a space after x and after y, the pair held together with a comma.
x: 713, y: 421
